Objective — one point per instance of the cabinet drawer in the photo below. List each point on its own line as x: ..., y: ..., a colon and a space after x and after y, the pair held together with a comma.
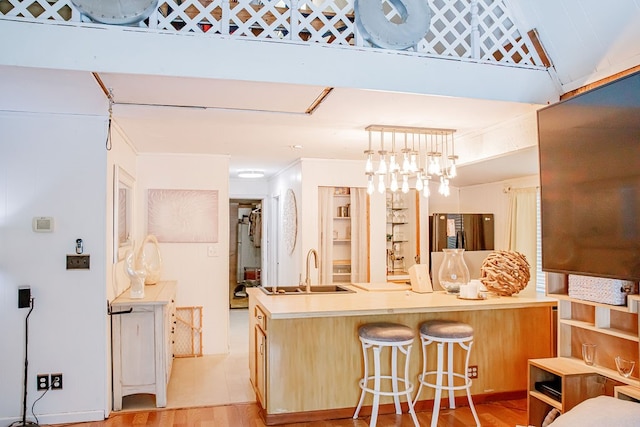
x: 261, y: 318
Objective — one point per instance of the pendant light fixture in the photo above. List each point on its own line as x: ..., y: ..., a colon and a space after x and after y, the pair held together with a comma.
x: 417, y: 155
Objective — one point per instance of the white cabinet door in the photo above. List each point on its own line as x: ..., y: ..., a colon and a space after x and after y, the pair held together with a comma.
x: 137, y: 347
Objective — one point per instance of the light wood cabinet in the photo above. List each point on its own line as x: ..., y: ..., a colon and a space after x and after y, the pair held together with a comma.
x: 258, y: 351
x: 143, y: 335
x: 312, y: 360
x: 574, y: 383
x: 614, y: 330
x: 261, y: 354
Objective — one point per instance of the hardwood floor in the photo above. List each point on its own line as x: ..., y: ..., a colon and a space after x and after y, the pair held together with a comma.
x: 506, y: 413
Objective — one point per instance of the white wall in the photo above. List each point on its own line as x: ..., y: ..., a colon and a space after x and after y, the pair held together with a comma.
x: 124, y: 157
x: 202, y: 280
x: 53, y: 165
x: 289, y: 266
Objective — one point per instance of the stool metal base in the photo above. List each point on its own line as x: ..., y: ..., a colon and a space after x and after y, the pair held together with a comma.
x: 399, y: 386
x: 440, y: 373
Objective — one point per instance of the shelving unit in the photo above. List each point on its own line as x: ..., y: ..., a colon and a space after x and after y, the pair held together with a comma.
x: 342, y: 235
x: 402, y: 233
x: 576, y: 381
x: 613, y: 328
x: 615, y: 331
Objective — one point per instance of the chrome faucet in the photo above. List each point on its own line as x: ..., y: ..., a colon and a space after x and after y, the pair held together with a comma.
x: 307, y: 280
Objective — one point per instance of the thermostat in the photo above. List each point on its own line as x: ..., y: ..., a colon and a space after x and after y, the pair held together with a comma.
x: 42, y: 224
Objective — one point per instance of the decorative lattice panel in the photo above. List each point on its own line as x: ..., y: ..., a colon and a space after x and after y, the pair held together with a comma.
x: 450, y: 30
x: 482, y: 30
x: 500, y: 40
x: 264, y: 19
x: 188, y: 335
x: 190, y: 16
x: 325, y: 21
x: 61, y: 10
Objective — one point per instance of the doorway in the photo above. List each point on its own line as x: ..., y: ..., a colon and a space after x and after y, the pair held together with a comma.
x: 245, y: 249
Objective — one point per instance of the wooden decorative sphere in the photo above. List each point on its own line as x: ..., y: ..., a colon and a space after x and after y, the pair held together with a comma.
x: 505, y: 272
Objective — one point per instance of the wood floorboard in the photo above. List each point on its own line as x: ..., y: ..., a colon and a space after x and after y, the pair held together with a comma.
x: 506, y: 413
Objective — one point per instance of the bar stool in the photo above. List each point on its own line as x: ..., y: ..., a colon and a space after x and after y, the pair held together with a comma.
x: 377, y: 336
x: 447, y: 332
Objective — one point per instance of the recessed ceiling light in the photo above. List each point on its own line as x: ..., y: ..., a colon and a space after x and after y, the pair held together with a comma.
x: 296, y: 147
x: 251, y: 174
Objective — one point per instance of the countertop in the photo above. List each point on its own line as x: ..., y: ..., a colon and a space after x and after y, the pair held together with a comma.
x: 365, y: 303
x: 159, y: 294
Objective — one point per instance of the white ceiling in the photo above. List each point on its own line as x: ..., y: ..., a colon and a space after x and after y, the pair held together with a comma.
x: 259, y: 128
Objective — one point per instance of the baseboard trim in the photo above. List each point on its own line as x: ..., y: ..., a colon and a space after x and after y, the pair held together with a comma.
x: 62, y: 418
x: 389, y: 408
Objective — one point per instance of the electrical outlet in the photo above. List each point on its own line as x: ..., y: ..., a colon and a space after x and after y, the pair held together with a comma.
x: 472, y: 372
x: 43, y: 382
x: 56, y: 381
x: 78, y: 262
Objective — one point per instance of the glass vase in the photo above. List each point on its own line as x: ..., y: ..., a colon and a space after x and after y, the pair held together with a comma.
x: 453, y: 271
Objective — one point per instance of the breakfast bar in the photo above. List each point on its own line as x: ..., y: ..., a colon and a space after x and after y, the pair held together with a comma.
x: 305, y: 358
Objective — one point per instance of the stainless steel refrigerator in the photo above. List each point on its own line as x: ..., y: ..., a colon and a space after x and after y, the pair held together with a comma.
x: 471, y: 232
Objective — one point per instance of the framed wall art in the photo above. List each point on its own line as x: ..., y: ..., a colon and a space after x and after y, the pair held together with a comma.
x: 183, y: 216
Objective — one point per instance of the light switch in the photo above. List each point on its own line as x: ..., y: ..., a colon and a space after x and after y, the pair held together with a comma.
x: 212, y: 251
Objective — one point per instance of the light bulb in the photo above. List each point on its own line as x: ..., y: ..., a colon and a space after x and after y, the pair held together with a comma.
x: 432, y: 166
x: 394, y: 183
x: 406, y: 166
x: 405, y: 183
x: 392, y: 162
x: 370, y: 186
x: 441, y: 186
x: 425, y: 190
x: 452, y: 170
x: 368, y: 167
x: 413, y: 162
x: 436, y: 166
x: 381, y: 184
x: 382, y: 168
x: 419, y: 184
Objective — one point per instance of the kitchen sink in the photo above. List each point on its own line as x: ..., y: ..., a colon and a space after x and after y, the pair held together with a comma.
x: 301, y: 290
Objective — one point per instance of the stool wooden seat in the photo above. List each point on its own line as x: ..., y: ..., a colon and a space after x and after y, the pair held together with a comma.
x: 396, y: 337
x: 450, y: 333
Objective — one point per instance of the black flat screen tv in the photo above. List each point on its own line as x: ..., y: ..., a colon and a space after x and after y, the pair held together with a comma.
x: 589, y: 148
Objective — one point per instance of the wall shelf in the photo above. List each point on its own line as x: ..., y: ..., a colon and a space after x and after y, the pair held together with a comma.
x: 615, y: 331
x: 608, y: 331
x: 631, y: 307
x: 402, y: 232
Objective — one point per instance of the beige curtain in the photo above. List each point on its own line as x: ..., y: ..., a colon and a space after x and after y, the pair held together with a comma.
x: 325, y: 219
x: 522, y: 226
x: 359, y: 236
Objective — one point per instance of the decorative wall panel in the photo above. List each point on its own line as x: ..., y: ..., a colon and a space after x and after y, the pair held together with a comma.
x: 177, y: 216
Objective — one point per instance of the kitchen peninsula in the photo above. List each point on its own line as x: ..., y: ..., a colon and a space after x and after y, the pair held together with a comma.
x: 305, y: 357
